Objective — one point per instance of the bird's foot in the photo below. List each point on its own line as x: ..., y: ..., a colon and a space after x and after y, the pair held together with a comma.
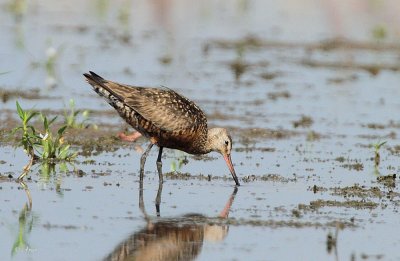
x: 130, y: 137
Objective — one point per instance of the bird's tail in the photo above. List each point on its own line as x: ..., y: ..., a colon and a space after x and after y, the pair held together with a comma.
x: 101, y: 86
x: 113, y: 93
x: 98, y: 83
x: 94, y: 79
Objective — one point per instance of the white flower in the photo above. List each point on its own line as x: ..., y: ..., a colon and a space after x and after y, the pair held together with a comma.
x: 44, y: 137
x: 51, y: 52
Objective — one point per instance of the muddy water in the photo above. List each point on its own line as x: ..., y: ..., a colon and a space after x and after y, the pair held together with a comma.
x: 304, y: 111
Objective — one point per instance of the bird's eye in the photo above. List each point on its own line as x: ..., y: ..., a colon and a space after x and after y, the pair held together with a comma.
x: 226, y: 143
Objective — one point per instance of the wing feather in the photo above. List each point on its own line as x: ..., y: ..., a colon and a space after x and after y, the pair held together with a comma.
x: 164, y: 108
x: 167, y: 110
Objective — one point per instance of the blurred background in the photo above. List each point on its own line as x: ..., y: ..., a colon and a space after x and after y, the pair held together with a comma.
x: 48, y: 44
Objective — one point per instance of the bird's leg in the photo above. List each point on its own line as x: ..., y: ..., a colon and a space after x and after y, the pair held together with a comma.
x: 160, y: 181
x: 130, y: 137
x: 143, y: 161
x: 159, y: 166
x: 141, y: 201
x: 158, y: 198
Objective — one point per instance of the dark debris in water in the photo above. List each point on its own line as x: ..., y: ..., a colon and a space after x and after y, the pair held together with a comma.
x: 65, y: 227
x: 358, y: 166
x: 32, y: 94
x: 258, y: 133
x: 6, y: 178
x: 357, y: 204
x: 358, y: 191
x: 304, y: 122
x: 373, y: 69
x: 268, y: 177
x: 342, y: 80
x: 325, y: 45
x: 238, y: 68
x: 278, y: 95
x: 175, y: 175
x: 315, y: 189
x: 270, y: 76
x: 388, y: 180
x: 289, y: 223
x: 361, y: 191
x: 251, y: 149
x: 340, y: 159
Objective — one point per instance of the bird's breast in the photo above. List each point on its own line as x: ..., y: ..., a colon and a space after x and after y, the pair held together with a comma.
x: 191, y: 143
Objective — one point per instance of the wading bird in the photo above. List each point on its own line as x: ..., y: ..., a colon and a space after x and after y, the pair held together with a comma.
x: 166, y: 118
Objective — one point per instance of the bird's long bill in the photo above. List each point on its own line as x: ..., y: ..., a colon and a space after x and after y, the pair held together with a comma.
x: 227, y: 158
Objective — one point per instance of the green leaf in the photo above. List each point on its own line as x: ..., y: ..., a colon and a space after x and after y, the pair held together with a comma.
x: 85, y: 113
x: 45, y: 155
x: 72, y: 156
x: 45, y: 124
x: 61, y: 130
x: 52, y: 120
x: 382, y: 143
x: 13, y: 131
x: 173, y: 166
x: 32, y: 129
x: 64, y: 152
x: 31, y: 115
x: 51, y: 150
x: 20, y: 111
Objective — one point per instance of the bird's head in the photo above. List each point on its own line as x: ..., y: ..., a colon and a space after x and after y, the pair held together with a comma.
x: 220, y: 141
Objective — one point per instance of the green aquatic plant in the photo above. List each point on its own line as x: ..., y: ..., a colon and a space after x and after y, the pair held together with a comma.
x: 29, y: 136
x: 379, y: 32
x: 18, y: 8
x: 238, y: 66
x: 179, y: 162
x: 52, y: 147
x: 76, y: 119
x: 377, y: 146
x: 50, y: 66
x: 102, y: 8
x: 45, y: 147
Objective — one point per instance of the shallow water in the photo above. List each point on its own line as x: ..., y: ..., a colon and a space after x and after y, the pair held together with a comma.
x: 311, y: 192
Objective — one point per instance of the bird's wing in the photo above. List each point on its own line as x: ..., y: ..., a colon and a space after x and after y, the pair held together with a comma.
x: 164, y: 108
x: 167, y: 109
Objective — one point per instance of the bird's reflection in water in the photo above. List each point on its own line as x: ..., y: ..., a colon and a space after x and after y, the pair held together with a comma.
x: 179, y: 238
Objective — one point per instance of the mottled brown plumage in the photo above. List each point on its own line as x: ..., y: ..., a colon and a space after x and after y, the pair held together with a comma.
x: 167, y: 118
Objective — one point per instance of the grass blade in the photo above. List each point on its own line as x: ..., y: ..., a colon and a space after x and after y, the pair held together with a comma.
x: 20, y: 111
